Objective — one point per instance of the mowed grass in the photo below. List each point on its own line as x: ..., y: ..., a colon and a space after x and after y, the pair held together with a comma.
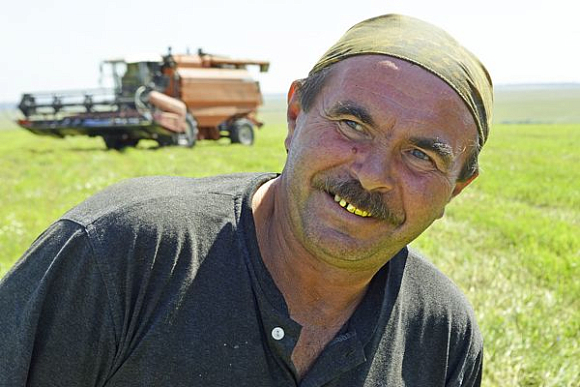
x: 510, y: 241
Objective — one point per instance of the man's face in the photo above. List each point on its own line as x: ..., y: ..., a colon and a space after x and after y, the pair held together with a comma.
x: 385, y: 136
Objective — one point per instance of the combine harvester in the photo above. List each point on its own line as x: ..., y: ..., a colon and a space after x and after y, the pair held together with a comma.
x: 172, y: 99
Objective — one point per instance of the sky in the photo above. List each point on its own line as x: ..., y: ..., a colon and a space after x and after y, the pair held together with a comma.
x: 50, y: 45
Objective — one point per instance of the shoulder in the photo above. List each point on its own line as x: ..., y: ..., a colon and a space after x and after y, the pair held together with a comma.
x: 431, y: 287
x: 433, y: 301
x: 161, y: 197
x: 140, y: 221
x: 440, y: 317
x: 146, y: 220
x: 140, y: 230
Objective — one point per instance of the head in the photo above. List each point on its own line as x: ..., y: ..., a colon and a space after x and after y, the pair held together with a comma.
x: 379, y: 142
x: 421, y: 43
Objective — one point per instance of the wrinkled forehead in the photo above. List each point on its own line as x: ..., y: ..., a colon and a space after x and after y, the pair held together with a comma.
x: 401, y: 78
x: 380, y: 66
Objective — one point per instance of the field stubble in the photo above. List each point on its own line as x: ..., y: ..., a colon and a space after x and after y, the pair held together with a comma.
x: 511, y: 241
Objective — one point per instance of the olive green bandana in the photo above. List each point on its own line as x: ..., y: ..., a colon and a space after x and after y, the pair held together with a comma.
x: 428, y: 46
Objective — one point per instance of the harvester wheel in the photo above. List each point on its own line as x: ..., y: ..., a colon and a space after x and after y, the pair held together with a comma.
x: 242, y: 132
x: 165, y: 141
x: 189, y: 138
x: 118, y: 143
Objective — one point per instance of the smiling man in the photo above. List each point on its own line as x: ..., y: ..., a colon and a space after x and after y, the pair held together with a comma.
x: 297, y: 279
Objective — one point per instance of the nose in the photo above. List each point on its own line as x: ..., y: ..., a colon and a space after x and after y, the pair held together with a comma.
x: 374, y: 170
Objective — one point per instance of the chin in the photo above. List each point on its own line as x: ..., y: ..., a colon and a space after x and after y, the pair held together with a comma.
x: 342, y: 251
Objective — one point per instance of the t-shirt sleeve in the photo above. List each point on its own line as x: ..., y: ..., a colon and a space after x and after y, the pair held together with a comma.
x: 473, y: 373
x: 467, y: 359
x: 444, y: 337
x: 55, y: 316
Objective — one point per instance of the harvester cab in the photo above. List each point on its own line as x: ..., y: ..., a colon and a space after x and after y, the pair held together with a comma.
x: 127, y: 75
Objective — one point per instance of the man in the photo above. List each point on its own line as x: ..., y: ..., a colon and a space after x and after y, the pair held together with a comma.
x: 264, y: 280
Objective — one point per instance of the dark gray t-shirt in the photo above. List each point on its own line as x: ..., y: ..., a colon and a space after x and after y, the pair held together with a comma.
x: 159, y: 282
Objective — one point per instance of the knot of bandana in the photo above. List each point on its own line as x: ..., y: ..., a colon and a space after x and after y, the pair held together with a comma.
x: 428, y: 46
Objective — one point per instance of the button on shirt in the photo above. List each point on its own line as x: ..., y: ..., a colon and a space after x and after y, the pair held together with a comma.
x: 278, y: 333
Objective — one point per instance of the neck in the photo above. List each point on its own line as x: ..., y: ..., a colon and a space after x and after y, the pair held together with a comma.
x: 317, y: 294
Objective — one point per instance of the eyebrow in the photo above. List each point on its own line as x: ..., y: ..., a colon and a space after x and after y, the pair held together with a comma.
x: 350, y: 108
x: 435, y: 145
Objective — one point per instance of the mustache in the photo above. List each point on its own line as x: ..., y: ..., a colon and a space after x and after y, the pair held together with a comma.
x: 352, y: 191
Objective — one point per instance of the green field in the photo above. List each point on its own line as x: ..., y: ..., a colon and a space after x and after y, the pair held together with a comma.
x: 511, y: 240
x: 537, y: 104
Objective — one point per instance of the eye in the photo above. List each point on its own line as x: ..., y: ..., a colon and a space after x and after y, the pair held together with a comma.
x: 352, y: 129
x: 417, y: 153
x: 420, y: 160
x: 353, y: 125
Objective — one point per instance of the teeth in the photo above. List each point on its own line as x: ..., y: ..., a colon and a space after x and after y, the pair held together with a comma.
x: 350, y: 208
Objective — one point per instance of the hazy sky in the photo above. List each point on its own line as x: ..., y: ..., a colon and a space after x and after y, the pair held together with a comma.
x: 58, y: 44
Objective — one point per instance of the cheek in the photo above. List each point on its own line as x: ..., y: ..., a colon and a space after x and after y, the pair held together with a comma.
x: 425, y: 193
x: 318, y: 144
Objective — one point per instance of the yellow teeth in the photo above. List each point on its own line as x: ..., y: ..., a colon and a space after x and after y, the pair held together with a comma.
x: 350, y: 208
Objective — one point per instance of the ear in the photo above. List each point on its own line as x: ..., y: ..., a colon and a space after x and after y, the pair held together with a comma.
x: 459, y: 186
x: 292, y: 113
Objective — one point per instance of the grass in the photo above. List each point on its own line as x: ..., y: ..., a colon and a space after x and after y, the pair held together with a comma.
x: 537, y: 104
x: 510, y: 241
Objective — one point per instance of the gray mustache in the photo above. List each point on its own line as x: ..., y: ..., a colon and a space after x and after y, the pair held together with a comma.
x: 352, y: 191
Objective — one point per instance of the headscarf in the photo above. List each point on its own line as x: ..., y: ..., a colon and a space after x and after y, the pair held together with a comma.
x: 428, y: 46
